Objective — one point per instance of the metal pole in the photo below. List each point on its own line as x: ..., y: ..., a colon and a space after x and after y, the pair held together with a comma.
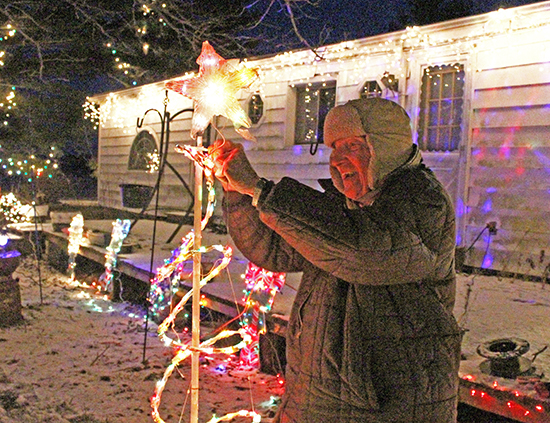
x: 195, y: 340
x: 37, y: 241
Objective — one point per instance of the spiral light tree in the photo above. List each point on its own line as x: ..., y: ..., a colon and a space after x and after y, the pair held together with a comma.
x: 214, y: 93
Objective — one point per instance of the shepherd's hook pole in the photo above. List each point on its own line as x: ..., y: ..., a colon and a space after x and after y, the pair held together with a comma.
x: 37, y: 242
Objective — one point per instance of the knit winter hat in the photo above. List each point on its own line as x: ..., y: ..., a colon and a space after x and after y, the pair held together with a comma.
x: 385, y: 122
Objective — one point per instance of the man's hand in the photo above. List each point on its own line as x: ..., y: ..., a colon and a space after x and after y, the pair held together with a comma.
x: 232, y: 168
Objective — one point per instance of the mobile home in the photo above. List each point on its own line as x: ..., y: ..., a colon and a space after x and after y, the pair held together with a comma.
x: 478, y: 93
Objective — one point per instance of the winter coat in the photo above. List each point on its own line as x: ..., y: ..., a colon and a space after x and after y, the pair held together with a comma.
x: 371, y: 335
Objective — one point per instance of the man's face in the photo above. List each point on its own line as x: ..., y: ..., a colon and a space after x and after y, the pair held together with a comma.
x: 350, y: 159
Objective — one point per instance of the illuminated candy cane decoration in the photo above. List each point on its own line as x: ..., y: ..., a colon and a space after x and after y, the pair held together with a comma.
x: 119, y: 233
x: 261, y: 287
x: 75, y: 240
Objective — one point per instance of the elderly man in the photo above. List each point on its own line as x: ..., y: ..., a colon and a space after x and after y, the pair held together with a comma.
x: 371, y: 335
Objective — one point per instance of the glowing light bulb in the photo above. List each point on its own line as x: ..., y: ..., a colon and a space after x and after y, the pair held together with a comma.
x: 214, y: 92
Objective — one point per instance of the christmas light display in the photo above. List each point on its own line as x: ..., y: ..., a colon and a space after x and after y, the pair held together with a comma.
x: 183, y: 353
x: 92, y: 112
x: 512, y: 402
x: 352, y: 60
x: 75, y: 240
x: 214, y: 91
x: 7, y: 32
x: 119, y: 233
x: 31, y: 166
x: 9, y: 101
x: 261, y: 288
x: 12, y: 209
x: 161, y: 289
x: 184, y: 255
x: 162, y: 285
x: 153, y: 162
x: 184, y: 349
x: 242, y: 413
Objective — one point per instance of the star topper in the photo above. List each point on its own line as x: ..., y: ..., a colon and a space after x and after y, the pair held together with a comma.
x: 214, y: 92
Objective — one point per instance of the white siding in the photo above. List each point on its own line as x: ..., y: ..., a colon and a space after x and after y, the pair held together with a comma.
x: 500, y: 173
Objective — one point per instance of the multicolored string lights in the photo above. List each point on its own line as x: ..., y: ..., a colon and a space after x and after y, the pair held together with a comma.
x: 30, y: 166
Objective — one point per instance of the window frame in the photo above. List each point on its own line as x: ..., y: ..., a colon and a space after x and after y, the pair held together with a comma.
x: 371, y: 94
x: 448, y: 127
x: 262, y: 111
x: 135, y: 156
x: 317, y: 138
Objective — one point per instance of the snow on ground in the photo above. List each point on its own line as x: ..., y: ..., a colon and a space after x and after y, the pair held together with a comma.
x: 490, y: 308
x: 78, y: 357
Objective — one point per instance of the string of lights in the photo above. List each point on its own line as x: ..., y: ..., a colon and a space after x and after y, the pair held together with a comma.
x: 350, y: 58
x: 12, y: 209
x: 261, y: 287
x: 9, y: 101
x: 30, y: 166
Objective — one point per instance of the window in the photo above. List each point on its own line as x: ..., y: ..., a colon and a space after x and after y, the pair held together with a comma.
x: 255, y: 108
x: 371, y: 89
x: 441, y: 104
x: 375, y: 88
x: 313, y: 101
x: 144, y: 153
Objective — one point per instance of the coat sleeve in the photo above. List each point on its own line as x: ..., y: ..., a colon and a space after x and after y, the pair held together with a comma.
x: 259, y: 243
x: 361, y: 246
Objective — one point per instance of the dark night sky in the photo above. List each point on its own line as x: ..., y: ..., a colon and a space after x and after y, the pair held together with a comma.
x: 333, y: 21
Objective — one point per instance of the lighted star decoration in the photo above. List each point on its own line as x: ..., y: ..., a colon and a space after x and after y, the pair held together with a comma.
x: 214, y: 91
